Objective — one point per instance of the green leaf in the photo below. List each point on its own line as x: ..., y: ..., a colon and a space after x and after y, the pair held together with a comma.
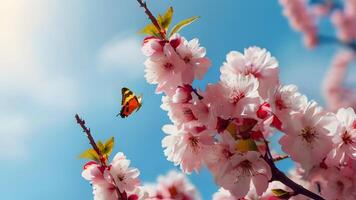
x: 245, y: 145
x: 90, y: 154
x: 108, y: 146
x: 100, y: 145
x: 182, y: 24
x: 150, y: 30
x: 165, y: 20
x: 280, y: 193
x: 104, y: 148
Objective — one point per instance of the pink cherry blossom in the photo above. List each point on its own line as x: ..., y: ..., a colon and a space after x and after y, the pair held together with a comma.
x: 183, y: 94
x: 104, y: 191
x: 174, y: 62
x: 93, y: 172
x: 287, y: 99
x: 255, y: 61
x: 310, y: 131
x: 103, y: 187
x: 173, y: 186
x: 345, y: 138
x: 186, y: 146
x: 152, y: 47
x: 166, y: 71
x: 204, y: 113
x: 179, y: 113
x: 218, y: 158
x: 194, y: 56
x: 125, y: 177
x: 239, y: 95
x: 248, y: 168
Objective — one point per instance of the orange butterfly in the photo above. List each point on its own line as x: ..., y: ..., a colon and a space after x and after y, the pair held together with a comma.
x: 129, y: 103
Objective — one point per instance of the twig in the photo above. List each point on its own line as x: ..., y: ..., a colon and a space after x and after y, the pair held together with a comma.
x: 91, y: 139
x: 277, y: 175
x: 152, y: 18
x: 97, y: 150
x: 198, y: 95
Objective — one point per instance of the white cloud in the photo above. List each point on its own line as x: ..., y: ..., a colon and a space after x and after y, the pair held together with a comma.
x: 122, y: 54
x: 14, y: 131
x: 29, y: 91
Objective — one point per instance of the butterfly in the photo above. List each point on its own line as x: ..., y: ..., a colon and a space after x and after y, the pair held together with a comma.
x: 130, y: 102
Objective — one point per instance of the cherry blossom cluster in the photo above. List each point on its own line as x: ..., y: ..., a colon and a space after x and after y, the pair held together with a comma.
x: 115, y: 181
x: 226, y: 127
x: 119, y: 175
x: 119, y: 181
x: 304, y: 16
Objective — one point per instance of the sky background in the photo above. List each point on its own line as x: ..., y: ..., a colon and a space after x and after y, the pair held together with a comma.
x: 61, y: 57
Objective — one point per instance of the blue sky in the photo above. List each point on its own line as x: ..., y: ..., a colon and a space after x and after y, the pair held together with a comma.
x: 58, y: 58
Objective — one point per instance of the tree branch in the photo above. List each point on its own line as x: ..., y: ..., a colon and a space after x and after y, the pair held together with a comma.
x: 91, y: 139
x: 151, y: 17
x: 277, y: 175
x: 97, y: 150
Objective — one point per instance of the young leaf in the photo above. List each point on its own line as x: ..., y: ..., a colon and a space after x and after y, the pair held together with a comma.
x: 280, y: 193
x: 165, y: 20
x: 150, y: 30
x: 108, y: 146
x: 231, y: 128
x: 245, y: 145
x: 100, y: 146
x: 182, y: 24
x: 90, y: 154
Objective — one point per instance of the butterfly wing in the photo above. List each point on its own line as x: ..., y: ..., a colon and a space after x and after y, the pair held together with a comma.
x: 127, y: 94
x: 129, y: 103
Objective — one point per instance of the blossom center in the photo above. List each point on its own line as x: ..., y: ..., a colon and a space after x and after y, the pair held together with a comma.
x: 194, y: 141
x: 251, y: 69
x: 173, y: 191
x: 188, y: 113
x: 227, y: 154
x: 340, y: 185
x: 168, y: 66
x: 346, y: 138
x: 246, y: 167
x: 120, y: 177
x: 236, y: 96
x: 308, y: 134
x: 186, y: 59
x: 280, y: 104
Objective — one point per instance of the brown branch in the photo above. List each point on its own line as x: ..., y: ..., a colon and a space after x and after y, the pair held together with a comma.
x: 277, y: 175
x: 152, y: 18
x: 97, y: 150
x: 198, y: 95
x: 91, y: 139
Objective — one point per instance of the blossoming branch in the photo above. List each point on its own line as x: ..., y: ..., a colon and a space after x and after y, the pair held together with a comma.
x: 227, y: 127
